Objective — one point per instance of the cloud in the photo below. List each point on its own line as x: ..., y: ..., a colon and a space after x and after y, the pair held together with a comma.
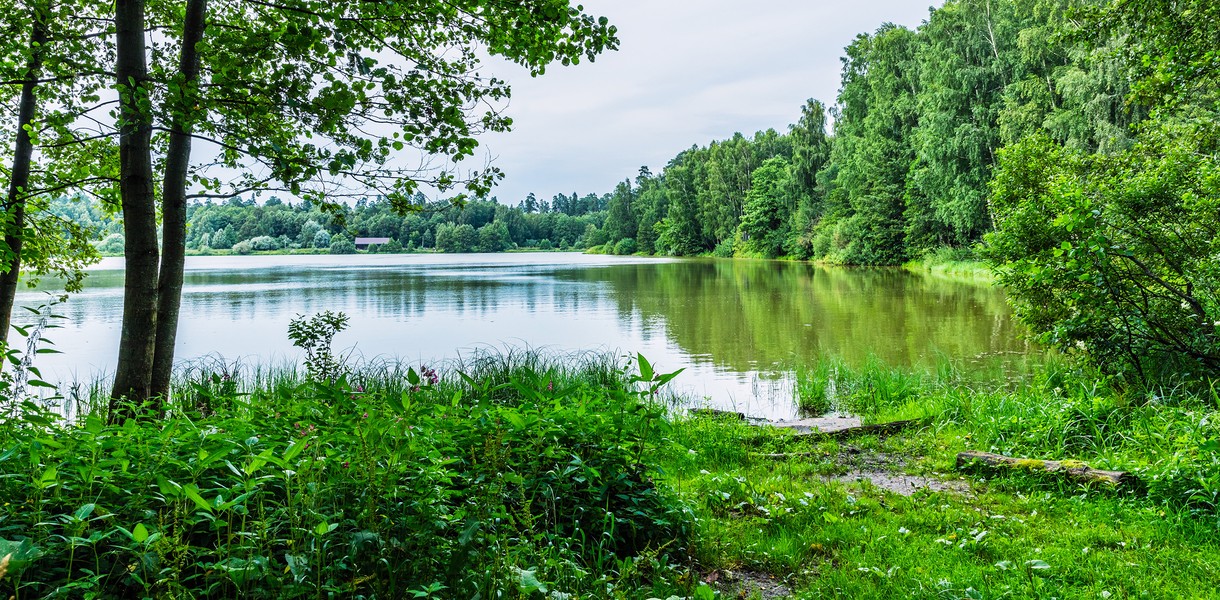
x: 687, y: 72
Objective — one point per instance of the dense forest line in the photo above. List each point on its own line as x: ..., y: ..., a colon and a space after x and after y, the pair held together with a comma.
x: 917, y: 128
x: 905, y: 169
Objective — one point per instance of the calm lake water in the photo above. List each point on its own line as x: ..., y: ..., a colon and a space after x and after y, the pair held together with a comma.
x: 736, y: 326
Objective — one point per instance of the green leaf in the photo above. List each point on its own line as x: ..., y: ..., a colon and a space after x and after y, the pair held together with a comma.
x: 527, y: 582
x: 48, y: 477
x: 139, y: 533
x: 646, y: 371
x: 83, y: 512
x: 192, y: 492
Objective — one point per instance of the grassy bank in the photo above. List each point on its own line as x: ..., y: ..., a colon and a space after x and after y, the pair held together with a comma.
x: 951, y: 262
x: 522, y: 477
x: 514, y: 478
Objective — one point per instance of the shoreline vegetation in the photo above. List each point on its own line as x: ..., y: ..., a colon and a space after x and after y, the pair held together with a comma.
x: 947, y: 262
x: 519, y: 475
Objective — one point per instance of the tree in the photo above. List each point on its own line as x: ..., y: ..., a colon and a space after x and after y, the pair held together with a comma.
x: 621, y: 219
x: 872, y: 150
x: 810, y: 153
x: 342, y: 244
x: 494, y: 237
x: 1114, y: 254
x: 764, y: 223
x: 292, y: 90
x: 56, y: 75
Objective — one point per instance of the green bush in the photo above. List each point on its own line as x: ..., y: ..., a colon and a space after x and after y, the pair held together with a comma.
x: 380, y: 485
x: 341, y: 244
x: 625, y: 247
x: 112, y: 245
x: 392, y: 247
x: 1114, y: 256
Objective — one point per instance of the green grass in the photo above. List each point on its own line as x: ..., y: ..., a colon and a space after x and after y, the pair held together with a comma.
x: 513, y: 473
x: 1009, y: 537
x: 957, y: 263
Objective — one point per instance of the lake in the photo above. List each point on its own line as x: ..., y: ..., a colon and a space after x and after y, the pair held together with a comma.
x: 736, y: 326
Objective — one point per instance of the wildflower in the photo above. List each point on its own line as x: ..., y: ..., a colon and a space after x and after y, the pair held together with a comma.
x: 366, y: 415
x: 429, y: 374
x: 550, y: 386
x: 345, y: 464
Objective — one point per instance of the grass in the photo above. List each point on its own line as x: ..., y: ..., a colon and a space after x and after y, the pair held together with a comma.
x: 1005, y: 539
x: 1016, y: 535
x: 516, y: 476
x: 519, y: 475
x: 956, y: 263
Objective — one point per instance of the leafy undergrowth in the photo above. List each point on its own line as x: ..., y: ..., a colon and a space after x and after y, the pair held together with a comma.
x: 515, y: 477
x: 1007, y: 538
x: 514, y: 480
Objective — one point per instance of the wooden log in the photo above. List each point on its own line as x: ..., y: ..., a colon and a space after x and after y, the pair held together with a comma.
x: 1072, y: 469
x: 876, y: 428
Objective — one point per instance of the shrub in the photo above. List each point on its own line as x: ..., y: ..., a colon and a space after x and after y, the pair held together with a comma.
x: 723, y: 249
x: 113, y: 244
x: 1114, y: 256
x: 341, y: 244
x: 265, y: 243
x: 321, y: 239
x: 625, y: 246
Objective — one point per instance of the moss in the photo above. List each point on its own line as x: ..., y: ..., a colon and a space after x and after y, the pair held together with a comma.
x: 1029, y: 463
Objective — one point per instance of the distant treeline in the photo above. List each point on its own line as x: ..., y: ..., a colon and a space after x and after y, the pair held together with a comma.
x: 919, y: 119
x: 244, y: 226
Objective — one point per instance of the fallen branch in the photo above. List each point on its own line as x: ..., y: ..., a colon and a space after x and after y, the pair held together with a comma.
x: 1072, y: 469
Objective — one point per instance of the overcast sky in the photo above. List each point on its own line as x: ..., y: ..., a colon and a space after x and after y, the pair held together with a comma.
x: 687, y: 72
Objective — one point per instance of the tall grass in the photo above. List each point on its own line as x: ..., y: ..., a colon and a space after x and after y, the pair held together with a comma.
x: 1171, y: 438
x: 518, y: 474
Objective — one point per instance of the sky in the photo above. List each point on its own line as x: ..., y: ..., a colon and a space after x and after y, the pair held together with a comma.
x: 687, y: 72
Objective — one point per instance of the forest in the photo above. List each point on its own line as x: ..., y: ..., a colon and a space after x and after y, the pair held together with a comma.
x: 919, y: 131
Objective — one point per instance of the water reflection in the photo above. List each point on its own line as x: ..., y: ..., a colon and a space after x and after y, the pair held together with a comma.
x: 732, y: 324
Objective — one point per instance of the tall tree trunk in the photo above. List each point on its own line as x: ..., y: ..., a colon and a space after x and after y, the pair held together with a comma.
x: 22, y: 157
x: 173, y: 207
x: 133, y: 375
